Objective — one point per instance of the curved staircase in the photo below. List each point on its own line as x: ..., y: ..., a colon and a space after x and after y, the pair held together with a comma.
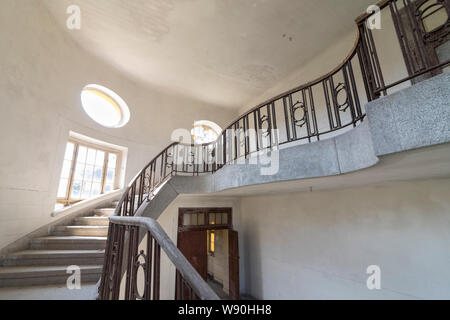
x: 45, y: 261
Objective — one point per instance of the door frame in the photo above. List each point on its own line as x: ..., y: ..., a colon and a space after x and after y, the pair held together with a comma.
x: 206, y: 226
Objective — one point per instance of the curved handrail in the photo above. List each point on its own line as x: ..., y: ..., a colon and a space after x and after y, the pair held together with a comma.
x: 287, y: 117
x: 337, y: 69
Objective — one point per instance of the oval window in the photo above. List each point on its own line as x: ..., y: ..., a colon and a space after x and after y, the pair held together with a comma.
x: 205, y: 132
x: 104, y: 106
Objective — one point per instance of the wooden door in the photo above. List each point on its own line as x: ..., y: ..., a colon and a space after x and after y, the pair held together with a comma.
x: 233, y: 262
x: 193, y: 245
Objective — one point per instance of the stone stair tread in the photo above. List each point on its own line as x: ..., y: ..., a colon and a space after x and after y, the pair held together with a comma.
x: 82, y: 227
x: 71, y: 238
x: 37, y: 253
x: 93, y: 218
x: 36, y: 270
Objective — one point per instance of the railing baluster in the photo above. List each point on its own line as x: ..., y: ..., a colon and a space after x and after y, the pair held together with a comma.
x: 256, y: 121
x: 355, y: 91
x: 337, y: 116
x: 148, y: 265
x: 313, y: 112
x: 117, y: 264
x: 291, y: 108
x: 308, y: 125
x: 349, y: 94
x: 156, y: 271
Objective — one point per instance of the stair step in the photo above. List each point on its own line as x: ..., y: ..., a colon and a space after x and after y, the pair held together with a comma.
x: 54, y: 257
x: 104, y: 212
x: 68, y: 243
x: 94, y: 231
x: 44, y: 275
x: 92, y: 221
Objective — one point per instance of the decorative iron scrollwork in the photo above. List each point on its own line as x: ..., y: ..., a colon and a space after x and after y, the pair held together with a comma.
x: 299, y: 122
x: 342, y: 89
x: 241, y: 133
x: 169, y: 164
x: 265, y: 119
x: 139, y: 264
x: 426, y: 9
x: 192, y: 159
x: 114, y: 253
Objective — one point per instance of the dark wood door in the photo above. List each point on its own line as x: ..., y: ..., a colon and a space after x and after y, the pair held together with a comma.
x: 233, y: 245
x: 194, y: 247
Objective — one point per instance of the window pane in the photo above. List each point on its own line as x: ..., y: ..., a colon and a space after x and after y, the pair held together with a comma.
x: 218, y: 218
x: 79, y: 171
x: 212, y: 218
x: 82, y: 151
x: 91, y: 155
x: 99, y: 160
x: 69, y: 151
x: 86, y: 190
x: 201, y: 219
x: 194, y: 219
x: 65, y: 173
x: 224, y: 218
x: 62, y: 188
x: 112, y: 159
x: 88, y: 173
x: 108, y: 187
x: 110, y: 175
x: 186, y: 219
x: 76, y: 190
x: 96, y: 189
x: 98, y: 173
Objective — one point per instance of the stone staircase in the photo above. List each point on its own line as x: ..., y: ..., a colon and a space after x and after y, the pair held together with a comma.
x: 45, y: 262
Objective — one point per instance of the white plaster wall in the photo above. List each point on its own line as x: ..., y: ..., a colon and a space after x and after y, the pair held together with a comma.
x: 43, y: 72
x: 169, y: 222
x: 318, y: 245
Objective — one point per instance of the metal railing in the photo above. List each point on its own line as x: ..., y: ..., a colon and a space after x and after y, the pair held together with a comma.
x: 125, y: 256
x: 336, y: 97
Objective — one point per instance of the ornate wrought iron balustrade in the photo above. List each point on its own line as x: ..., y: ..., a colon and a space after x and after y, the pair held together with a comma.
x: 132, y: 269
x: 308, y: 113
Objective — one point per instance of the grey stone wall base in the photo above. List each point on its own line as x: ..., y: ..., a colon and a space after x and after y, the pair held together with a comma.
x: 415, y: 117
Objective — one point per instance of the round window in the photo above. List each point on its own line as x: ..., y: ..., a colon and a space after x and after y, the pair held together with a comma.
x: 104, y: 106
x: 205, y: 132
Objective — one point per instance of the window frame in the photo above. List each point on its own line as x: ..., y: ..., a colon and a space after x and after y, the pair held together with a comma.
x: 206, y: 225
x: 67, y: 200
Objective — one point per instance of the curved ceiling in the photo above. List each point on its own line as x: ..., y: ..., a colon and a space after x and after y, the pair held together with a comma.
x: 223, y: 52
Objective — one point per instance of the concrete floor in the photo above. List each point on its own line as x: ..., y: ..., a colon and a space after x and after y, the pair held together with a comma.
x: 54, y: 292
x: 218, y: 289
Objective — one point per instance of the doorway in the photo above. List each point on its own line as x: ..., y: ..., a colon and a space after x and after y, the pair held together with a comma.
x: 207, y: 239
